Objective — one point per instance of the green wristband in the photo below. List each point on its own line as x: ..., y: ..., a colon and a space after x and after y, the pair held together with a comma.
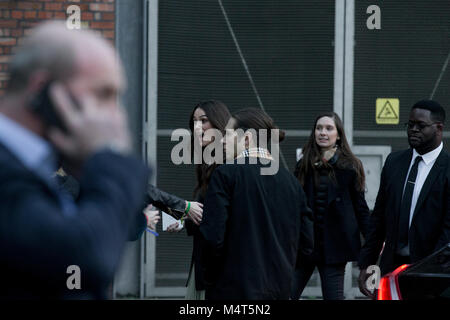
x: 188, y: 208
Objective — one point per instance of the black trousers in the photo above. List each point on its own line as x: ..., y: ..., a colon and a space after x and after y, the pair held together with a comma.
x: 331, y: 278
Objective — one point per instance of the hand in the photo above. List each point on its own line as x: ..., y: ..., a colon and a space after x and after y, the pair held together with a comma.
x: 174, y: 228
x: 362, y: 279
x: 152, y: 216
x: 195, y: 212
x: 90, y: 127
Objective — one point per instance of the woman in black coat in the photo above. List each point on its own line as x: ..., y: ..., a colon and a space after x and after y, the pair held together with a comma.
x: 333, y: 180
x: 256, y: 219
x: 208, y: 114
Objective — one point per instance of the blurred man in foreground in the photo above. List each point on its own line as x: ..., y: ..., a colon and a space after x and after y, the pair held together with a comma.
x: 45, y: 236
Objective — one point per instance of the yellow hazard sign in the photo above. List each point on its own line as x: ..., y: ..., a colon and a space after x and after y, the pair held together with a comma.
x: 387, y: 111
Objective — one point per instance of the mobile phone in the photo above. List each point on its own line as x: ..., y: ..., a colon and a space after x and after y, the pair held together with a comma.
x: 43, y: 106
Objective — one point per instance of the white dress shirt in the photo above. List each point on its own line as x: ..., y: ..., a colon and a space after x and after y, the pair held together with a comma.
x: 424, y: 168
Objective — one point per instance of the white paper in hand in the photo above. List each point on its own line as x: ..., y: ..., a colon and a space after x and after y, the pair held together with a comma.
x: 167, y: 220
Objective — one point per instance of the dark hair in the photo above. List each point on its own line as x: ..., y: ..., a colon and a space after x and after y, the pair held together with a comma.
x: 346, y: 158
x: 218, y: 115
x: 437, y: 111
x: 254, y: 118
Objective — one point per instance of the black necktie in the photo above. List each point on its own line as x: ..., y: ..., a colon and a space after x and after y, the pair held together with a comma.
x: 403, y: 227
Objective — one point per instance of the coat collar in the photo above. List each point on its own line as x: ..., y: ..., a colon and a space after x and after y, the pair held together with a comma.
x: 430, y: 156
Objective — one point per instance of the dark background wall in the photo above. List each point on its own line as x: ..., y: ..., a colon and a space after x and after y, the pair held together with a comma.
x: 401, y: 60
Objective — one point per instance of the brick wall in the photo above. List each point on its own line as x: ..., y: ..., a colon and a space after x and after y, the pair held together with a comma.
x: 18, y: 16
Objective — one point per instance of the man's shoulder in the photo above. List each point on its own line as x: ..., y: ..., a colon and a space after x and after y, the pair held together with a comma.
x: 445, y: 154
x: 403, y: 154
x: 229, y: 169
x: 399, y: 154
x: 16, y: 180
x: 443, y: 160
x: 237, y: 164
x: 242, y: 166
x: 14, y: 175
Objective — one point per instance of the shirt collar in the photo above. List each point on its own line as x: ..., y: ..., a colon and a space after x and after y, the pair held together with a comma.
x: 430, y: 156
x: 256, y: 152
x: 32, y: 150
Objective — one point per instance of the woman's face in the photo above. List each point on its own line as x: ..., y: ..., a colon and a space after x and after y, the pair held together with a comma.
x: 201, y: 124
x: 326, y: 133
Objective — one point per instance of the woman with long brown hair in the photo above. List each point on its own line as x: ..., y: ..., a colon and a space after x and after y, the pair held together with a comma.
x: 209, y: 114
x: 334, y: 182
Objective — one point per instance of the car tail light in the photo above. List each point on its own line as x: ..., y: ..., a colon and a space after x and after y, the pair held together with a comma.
x: 389, y: 289
x: 384, y: 291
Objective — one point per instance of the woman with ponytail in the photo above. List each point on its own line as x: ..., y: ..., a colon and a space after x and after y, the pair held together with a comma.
x: 252, y: 223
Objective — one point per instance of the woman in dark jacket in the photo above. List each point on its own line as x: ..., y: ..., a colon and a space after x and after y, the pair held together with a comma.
x: 162, y: 200
x: 256, y: 219
x: 333, y: 180
x: 209, y: 114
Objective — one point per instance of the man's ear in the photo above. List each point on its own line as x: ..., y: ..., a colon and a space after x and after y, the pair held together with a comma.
x: 247, y: 141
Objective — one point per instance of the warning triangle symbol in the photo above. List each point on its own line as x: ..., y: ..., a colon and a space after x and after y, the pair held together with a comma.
x: 387, y: 112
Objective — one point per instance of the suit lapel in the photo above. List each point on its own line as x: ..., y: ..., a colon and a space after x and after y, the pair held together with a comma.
x: 432, y: 176
x: 400, y: 178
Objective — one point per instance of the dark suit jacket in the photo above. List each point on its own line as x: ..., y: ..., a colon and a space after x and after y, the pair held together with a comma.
x: 252, y: 225
x: 347, y: 216
x: 430, y: 226
x: 38, y: 243
x: 71, y: 186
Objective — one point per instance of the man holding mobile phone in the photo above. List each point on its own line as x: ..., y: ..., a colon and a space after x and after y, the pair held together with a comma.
x: 43, y: 233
